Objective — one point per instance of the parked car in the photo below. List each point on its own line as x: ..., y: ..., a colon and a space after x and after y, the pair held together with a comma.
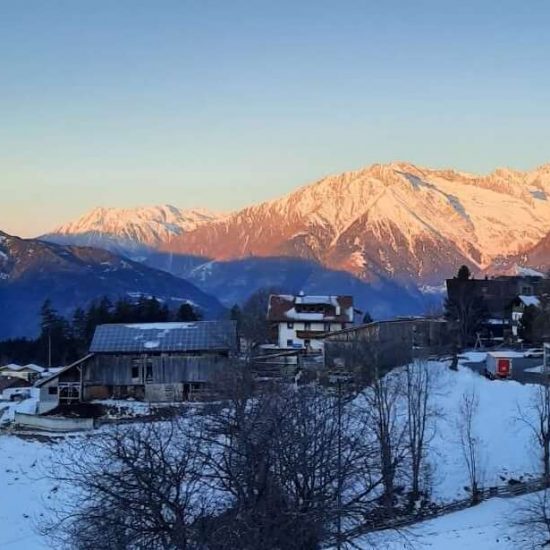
x: 534, y: 352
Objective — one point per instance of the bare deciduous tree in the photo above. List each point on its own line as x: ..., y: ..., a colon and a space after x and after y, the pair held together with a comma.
x: 266, y: 467
x: 532, y: 520
x: 388, y: 422
x: 421, y: 414
x: 137, y: 487
x: 470, y: 442
x: 537, y: 418
x: 298, y: 467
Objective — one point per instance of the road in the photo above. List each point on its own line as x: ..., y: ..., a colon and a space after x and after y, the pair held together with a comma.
x: 519, y: 367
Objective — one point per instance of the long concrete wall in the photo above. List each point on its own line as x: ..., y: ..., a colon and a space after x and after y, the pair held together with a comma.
x: 53, y: 423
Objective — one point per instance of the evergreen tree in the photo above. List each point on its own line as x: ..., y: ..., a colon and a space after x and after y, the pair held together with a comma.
x: 54, y: 335
x: 123, y: 311
x: 254, y: 325
x: 527, y: 328
x: 463, y: 273
x: 78, y: 330
x: 367, y: 318
x: 186, y: 313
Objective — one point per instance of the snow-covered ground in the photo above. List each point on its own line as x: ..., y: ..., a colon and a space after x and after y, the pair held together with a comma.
x: 24, y: 491
x: 9, y: 408
x: 507, y: 452
x: 507, y: 449
x: 487, y: 526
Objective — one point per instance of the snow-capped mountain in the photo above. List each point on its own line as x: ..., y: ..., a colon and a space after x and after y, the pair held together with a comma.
x: 130, y: 230
x: 394, y: 229
x: 396, y: 221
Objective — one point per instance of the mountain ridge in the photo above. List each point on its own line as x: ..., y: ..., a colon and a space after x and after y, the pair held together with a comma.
x: 397, y: 222
x: 133, y: 230
x: 400, y: 207
x: 32, y: 271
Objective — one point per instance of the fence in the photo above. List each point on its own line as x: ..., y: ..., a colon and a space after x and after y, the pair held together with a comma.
x: 505, y: 491
x: 53, y: 423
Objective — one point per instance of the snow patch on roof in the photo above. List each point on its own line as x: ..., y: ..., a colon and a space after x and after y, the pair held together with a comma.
x: 161, y: 326
x: 529, y: 300
x: 528, y: 272
x: 151, y: 344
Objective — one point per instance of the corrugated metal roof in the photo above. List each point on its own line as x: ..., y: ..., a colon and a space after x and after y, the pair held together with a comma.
x: 164, y: 337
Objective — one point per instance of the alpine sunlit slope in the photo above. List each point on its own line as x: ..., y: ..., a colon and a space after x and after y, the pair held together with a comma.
x: 372, y: 231
x: 32, y: 271
x: 394, y: 221
x: 130, y: 230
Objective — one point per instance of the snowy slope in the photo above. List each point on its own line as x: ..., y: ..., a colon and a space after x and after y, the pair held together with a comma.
x: 400, y: 221
x: 395, y: 220
x: 24, y: 491
x: 484, y: 527
x: 507, y: 452
x: 507, y: 447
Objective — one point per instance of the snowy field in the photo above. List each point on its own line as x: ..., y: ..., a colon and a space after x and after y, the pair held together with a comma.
x: 507, y: 452
x: 24, y: 491
x: 484, y: 527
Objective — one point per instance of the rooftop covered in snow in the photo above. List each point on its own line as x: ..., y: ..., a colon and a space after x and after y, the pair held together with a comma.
x: 165, y: 337
x: 287, y: 307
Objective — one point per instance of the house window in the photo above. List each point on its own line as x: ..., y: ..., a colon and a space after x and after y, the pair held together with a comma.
x: 526, y: 291
x: 52, y: 390
x: 135, y: 372
x: 289, y: 343
x: 290, y: 325
x: 307, y: 326
x: 149, y: 370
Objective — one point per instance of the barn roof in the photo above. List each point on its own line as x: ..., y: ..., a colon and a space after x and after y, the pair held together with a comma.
x: 164, y: 337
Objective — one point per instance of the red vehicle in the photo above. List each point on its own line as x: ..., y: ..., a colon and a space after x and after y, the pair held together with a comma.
x: 498, y: 365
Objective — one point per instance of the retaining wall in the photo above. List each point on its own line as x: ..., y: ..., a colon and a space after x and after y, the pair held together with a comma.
x: 53, y: 423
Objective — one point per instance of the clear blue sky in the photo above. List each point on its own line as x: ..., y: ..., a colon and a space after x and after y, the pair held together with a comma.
x: 221, y: 104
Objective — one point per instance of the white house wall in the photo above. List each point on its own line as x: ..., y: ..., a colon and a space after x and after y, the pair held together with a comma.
x: 286, y: 333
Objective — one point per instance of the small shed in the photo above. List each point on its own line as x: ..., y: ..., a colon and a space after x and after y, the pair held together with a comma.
x: 498, y: 364
x: 63, y: 386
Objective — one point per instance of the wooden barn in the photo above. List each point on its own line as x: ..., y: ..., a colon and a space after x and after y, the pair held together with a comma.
x: 157, y: 361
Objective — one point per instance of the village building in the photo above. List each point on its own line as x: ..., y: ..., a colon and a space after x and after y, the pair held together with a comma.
x: 504, y: 298
x: 518, y: 309
x: 302, y: 321
x: 28, y: 372
x: 157, y: 362
x: 386, y: 344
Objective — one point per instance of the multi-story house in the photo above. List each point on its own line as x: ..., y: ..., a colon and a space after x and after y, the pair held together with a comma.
x: 303, y: 321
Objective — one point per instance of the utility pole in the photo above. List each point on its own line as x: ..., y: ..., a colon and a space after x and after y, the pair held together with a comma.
x: 49, y: 347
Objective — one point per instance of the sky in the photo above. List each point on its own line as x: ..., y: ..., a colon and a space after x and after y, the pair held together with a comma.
x: 220, y: 104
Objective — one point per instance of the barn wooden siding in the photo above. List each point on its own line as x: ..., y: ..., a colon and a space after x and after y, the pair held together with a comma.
x: 116, y: 370
x: 386, y: 344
